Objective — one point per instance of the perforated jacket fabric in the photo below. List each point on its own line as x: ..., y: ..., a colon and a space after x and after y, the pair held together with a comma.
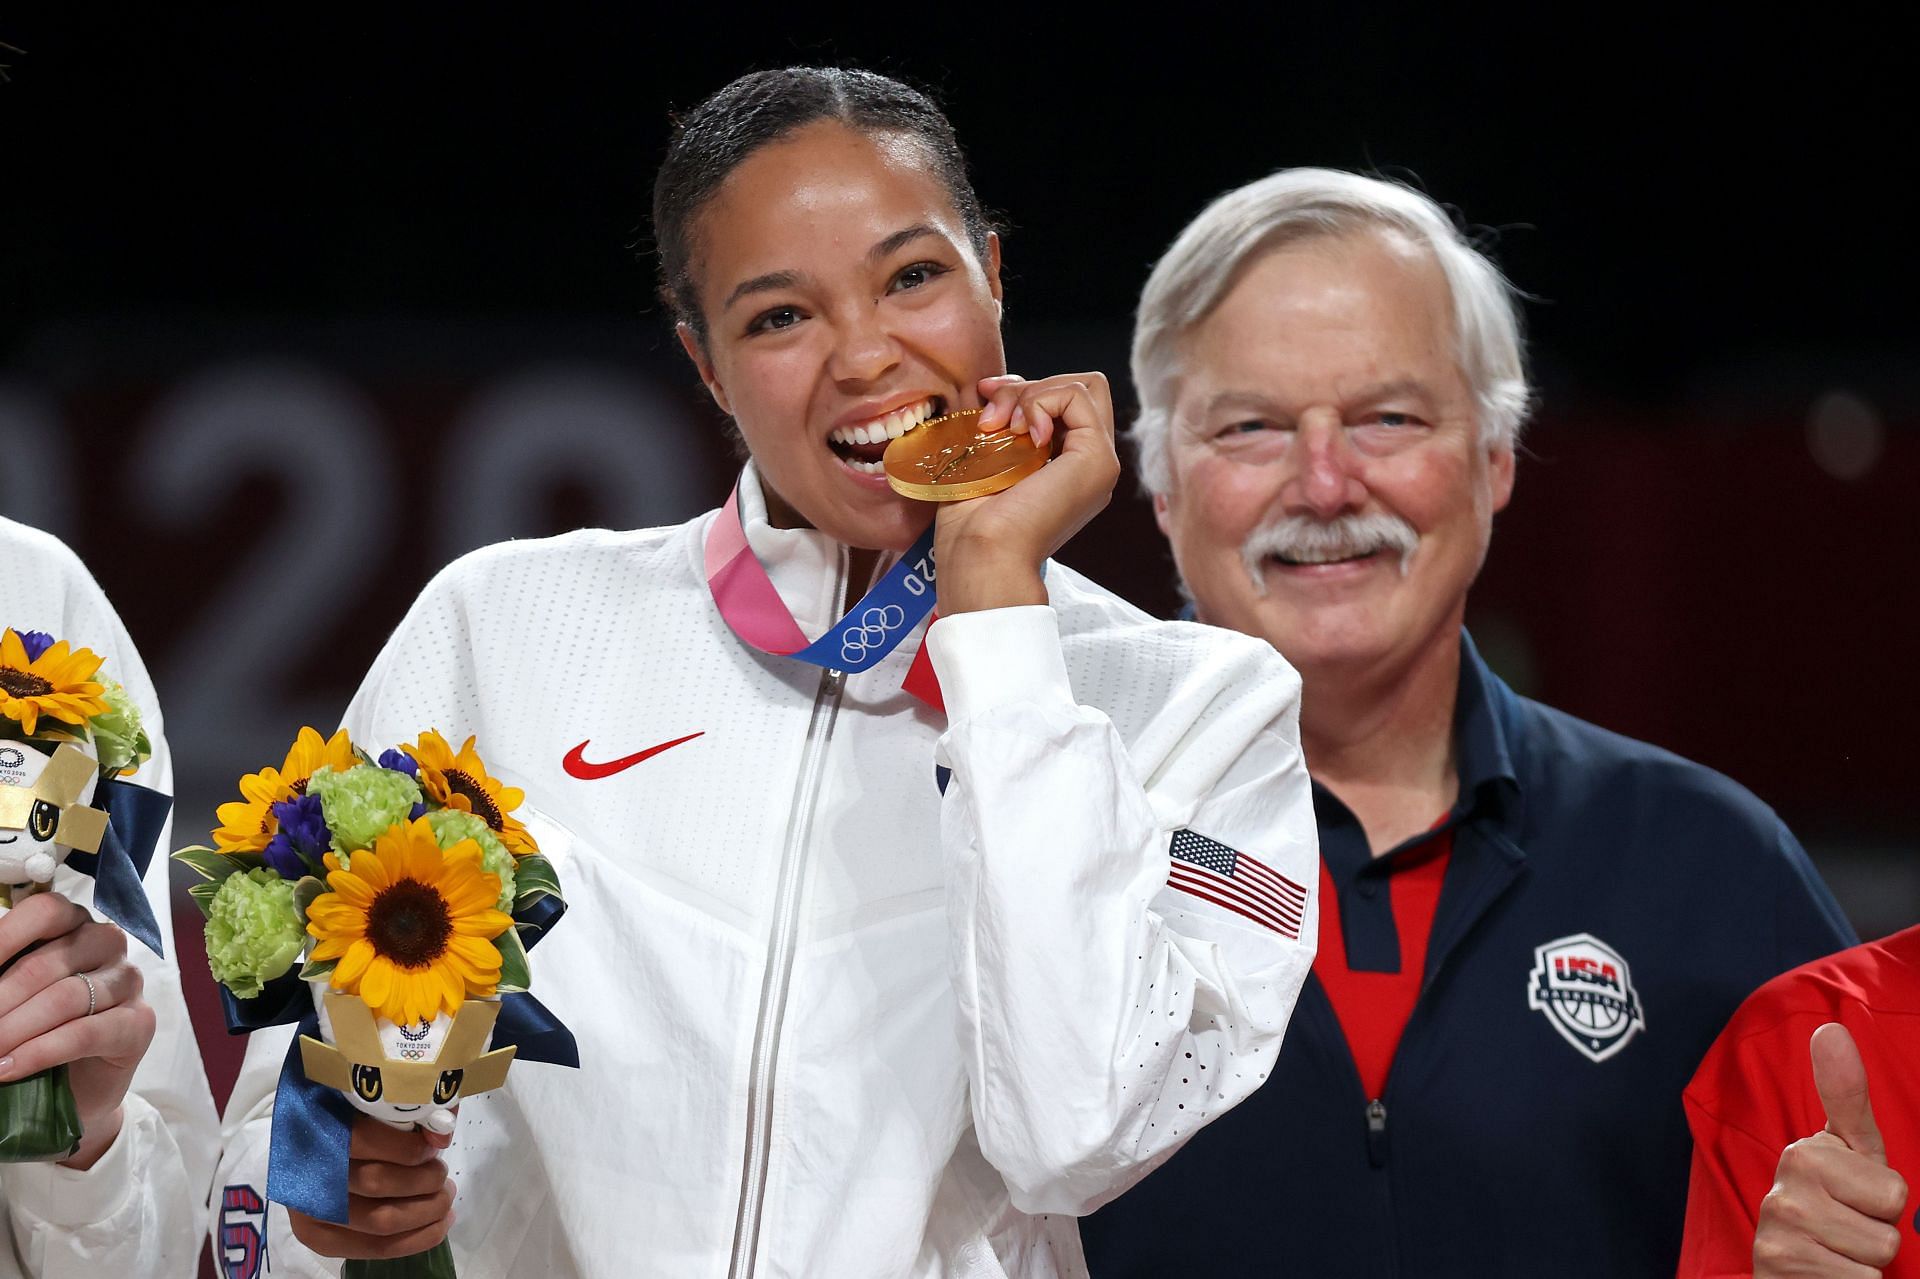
x: 998, y: 1016
x: 140, y: 1211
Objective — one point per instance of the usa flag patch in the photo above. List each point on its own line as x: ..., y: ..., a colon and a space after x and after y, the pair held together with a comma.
x: 1208, y: 869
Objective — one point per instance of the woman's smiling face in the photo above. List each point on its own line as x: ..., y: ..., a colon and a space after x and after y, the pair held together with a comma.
x: 843, y: 303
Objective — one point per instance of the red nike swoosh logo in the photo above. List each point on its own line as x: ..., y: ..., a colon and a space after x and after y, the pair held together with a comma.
x: 577, y: 766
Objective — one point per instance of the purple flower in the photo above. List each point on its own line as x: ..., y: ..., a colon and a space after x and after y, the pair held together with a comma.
x: 36, y: 643
x: 282, y: 860
x: 303, y: 838
x: 401, y: 762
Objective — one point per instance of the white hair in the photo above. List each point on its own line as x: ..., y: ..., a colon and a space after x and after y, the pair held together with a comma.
x: 1295, y: 205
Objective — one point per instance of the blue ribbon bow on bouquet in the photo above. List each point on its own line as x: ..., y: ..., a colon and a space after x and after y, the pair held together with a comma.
x: 135, y: 817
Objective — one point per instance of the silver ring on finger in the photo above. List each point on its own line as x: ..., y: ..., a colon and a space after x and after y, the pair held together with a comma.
x: 93, y: 996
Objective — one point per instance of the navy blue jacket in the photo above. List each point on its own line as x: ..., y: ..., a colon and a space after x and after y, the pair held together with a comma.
x: 1606, y: 908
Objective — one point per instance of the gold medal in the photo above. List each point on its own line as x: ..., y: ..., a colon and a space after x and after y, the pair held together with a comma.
x: 947, y: 459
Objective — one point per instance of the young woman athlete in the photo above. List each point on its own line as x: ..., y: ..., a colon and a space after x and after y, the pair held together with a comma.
x: 893, y: 946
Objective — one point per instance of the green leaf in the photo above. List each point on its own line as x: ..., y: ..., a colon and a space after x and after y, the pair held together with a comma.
x: 311, y: 971
x: 435, y: 1263
x: 534, y: 878
x: 42, y: 1120
x: 514, y: 973
x: 203, y: 895
x: 211, y: 864
x: 303, y: 894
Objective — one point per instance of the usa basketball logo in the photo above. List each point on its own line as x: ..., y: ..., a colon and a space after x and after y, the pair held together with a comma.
x: 1583, y: 986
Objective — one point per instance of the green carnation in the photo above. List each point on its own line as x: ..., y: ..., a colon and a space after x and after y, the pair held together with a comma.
x: 118, y: 734
x: 363, y: 803
x: 450, y: 826
x: 253, y: 931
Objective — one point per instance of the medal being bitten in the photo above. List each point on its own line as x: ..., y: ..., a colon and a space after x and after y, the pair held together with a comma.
x: 948, y: 459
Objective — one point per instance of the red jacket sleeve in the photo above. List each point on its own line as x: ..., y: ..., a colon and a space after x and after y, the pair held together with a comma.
x: 1748, y: 1102
x: 1732, y: 1172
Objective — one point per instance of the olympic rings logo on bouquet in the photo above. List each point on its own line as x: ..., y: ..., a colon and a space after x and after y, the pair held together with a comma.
x: 871, y: 631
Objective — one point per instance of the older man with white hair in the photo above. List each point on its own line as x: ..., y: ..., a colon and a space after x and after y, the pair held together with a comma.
x: 1530, y: 929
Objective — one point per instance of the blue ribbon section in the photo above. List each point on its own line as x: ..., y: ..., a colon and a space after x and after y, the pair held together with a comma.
x: 135, y: 818
x: 312, y: 1134
x: 313, y: 1125
x: 525, y: 1023
x: 284, y: 999
x: 884, y: 616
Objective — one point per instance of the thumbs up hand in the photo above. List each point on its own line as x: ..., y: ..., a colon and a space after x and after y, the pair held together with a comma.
x: 1835, y: 1206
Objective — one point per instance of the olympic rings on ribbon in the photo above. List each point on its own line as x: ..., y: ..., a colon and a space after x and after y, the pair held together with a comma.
x: 870, y: 632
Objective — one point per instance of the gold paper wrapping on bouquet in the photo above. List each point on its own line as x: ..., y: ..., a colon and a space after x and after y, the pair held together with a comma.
x: 949, y: 460
x: 61, y: 786
x: 356, y: 1042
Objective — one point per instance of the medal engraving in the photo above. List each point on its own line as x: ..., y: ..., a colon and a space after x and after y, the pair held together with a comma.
x: 949, y: 460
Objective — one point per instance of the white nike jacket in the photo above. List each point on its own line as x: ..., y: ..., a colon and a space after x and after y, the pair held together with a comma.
x: 139, y: 1213
x: 832, y: 1023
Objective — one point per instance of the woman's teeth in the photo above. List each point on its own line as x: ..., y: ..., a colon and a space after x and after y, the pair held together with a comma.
x: 865, y: 468
x: 891, y: 427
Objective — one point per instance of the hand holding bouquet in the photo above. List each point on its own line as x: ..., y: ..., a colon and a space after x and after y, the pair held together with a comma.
x: 67, y: 733
x: 411, y: 892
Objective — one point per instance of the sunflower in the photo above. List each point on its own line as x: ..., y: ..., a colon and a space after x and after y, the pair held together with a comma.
x: 461, y: 782
x: 411, y: 925
x: 248, y: 824
x: 57, y: 683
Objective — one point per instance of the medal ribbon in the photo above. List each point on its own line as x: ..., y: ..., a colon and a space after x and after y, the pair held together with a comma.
x: 872, y: 629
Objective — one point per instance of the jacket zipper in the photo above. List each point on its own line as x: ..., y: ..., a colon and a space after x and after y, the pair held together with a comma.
x: 1374, y: 1108
x: 1377, y: 1133
x: 781, y: 944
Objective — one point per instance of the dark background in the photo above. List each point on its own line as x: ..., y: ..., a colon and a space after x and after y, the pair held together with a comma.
x: 294, y: 308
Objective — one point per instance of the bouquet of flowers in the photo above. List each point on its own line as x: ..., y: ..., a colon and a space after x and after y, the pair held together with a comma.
x: 67, y: 733
x: 407, y: 893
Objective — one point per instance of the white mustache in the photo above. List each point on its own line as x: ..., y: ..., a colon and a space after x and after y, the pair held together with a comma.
x: 1304, y: 540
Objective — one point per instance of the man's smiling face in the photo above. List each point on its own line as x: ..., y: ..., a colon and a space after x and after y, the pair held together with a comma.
x: 1330, y: 489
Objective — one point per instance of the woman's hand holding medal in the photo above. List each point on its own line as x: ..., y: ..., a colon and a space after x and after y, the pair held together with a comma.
x: 990, y: 549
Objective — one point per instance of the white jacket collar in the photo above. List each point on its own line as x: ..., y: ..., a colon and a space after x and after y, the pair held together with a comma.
x: 804, y: 565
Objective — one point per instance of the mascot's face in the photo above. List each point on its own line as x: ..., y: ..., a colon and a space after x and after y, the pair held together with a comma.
x: 45, y: 792
x: 405, y: 1075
